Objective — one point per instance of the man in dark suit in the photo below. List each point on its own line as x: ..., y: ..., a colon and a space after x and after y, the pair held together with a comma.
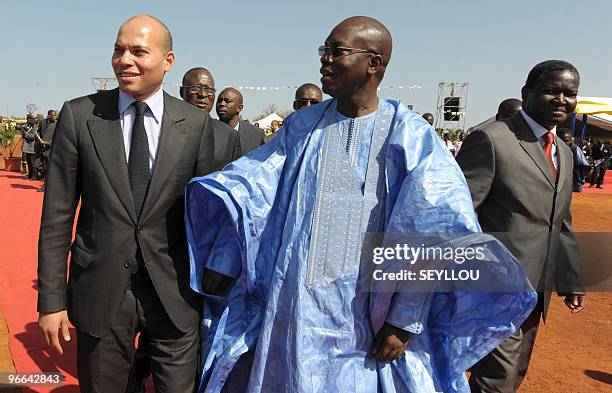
x: 229, y: 106
x: 125, y: 156
x: 47, y: 130
x: 520, y: 177
x: 601, y: 157
x: 198, y: 88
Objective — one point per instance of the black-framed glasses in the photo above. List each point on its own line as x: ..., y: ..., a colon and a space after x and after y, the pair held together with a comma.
x: 307, y: 101
x: 204, y: 90
x: 336, y: 51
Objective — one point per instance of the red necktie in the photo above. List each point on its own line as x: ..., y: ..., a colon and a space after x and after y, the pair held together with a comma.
x: 549, y: 138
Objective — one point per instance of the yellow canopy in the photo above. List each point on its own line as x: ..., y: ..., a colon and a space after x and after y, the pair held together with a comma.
x: 591, y: 105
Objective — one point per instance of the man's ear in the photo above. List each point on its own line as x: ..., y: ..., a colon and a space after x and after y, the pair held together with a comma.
x: 240, y: 107
x: 182, y: 92
x: 169, y: 61
x: 376, y: 63
x: 525, y: 92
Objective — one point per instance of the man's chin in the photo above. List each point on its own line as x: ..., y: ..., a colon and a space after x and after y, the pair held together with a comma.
x: 329, y: 90
x: 556, y: 120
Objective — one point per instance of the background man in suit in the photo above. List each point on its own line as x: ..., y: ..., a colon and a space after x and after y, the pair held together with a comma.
x: 47, y: 130
x: 520, y: 177
x: 307, y: 95
x: 601, y: 155
x: 125, y: 155
x: 198, y: 88
x: 28, y: 148
x: 508, y: 108
x: 229, y: 106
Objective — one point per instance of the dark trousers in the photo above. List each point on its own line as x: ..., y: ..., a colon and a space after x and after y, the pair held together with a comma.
x: 31, y: 163
x: 503, y: 370
x: 598, y: 175
x: 104, y: 364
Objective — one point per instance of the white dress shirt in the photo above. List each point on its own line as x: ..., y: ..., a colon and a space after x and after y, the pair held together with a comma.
x: 539, y: 132
x: 152, y: 122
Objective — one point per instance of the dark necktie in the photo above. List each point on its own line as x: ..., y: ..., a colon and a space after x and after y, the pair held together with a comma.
x: 138, y: 165
x: 548, y: 142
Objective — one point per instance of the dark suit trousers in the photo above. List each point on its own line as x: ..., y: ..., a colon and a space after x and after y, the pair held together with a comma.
x: 598, y: 175
x: 104, y: 364
x: 503, y: 370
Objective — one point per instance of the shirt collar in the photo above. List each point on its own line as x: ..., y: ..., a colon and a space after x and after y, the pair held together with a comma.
x: 155, y: 103
x: 537, y: 129
x: 237, y: 126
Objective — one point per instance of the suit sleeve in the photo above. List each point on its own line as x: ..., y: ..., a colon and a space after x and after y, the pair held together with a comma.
x: 59, y: 206
x: 477, y: 161
x: 205, y: 163
x: 568, y: 271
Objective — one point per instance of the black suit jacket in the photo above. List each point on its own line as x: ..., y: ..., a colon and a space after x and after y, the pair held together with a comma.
x: 88, y: 167
x: 227, y: 147
x: 251, y: 137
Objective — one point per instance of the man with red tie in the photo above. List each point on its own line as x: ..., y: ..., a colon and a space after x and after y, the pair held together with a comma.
x: 520, y: 178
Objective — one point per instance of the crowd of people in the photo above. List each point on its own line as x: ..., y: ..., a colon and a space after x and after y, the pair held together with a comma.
x: 591, y: 156
x: 37, y: 137
x: 236, y: 256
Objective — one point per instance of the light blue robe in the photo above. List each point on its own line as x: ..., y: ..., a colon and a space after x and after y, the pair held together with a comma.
x: 253, y: 221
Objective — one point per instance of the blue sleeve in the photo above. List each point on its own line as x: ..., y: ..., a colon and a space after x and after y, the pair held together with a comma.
x: 224, y: 257
x: 226, y: 212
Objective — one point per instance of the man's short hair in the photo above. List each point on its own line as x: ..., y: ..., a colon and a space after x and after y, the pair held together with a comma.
x: 541, y: 70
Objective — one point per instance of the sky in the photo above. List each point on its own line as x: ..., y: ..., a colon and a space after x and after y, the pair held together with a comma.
x: 51, y: 50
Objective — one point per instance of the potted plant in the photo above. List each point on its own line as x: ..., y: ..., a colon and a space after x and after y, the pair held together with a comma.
x: 7, y: 143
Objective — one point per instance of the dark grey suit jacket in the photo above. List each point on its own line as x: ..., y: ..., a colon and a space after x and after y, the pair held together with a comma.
x: 251, y: 137
x: 88, y: 167
x: 514, y: 195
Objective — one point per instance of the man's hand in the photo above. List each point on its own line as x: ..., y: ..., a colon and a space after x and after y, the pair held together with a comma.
x: 50, y: 324
x: 390, y: 343
x: 216, y: 283
x: 575, y: 302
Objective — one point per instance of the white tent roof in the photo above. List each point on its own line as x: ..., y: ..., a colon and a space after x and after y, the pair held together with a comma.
x: 267, y: 121
x: 600, y: 120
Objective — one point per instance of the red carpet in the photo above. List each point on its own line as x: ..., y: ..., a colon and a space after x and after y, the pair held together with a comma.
x: 20, y: 207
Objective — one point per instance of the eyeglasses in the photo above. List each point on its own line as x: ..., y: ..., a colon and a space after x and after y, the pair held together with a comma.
x: 334, y: 51
x: 307, y: 101
x: 204, y: 90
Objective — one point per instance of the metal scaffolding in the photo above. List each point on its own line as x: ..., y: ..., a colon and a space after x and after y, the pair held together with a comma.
x: 451, y: 106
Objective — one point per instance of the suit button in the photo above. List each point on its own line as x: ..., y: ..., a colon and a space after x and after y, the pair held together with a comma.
x: 138, y: 229
x: 127, y: 265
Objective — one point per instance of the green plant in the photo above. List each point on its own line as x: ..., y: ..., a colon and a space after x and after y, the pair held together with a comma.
x: 7, y: 137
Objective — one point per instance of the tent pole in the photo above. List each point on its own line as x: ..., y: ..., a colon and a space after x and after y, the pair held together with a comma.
x: 584, y: 126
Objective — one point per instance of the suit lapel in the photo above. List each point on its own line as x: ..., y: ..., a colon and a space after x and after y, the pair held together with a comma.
x: 107, y: 137
x: 172, y: 139
x: 532, y: 146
